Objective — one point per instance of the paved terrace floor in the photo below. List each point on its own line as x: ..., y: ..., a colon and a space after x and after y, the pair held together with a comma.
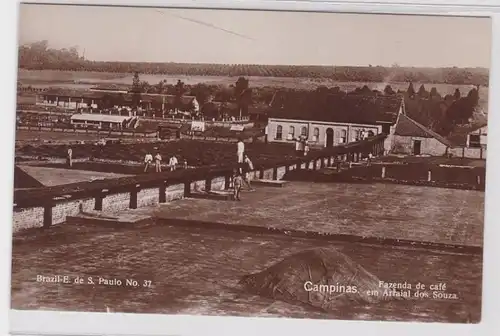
x: 57, y: 176
x: 417, y: 213
x: 196, y: 270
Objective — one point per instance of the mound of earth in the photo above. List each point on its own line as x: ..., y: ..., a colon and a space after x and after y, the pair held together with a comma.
x: 316, y: 277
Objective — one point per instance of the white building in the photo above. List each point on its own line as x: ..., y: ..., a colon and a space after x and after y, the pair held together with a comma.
x: 99, y: 121
x: 343, y: 120
x: 470, y: 141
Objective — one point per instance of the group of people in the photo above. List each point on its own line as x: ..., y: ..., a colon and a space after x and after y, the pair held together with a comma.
x: 301, y: 146
x: 241, y: 175
x: 364, y: 134
x: 149, y: 160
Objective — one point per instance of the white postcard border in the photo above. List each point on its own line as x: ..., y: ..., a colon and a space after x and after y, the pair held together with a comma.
x: 33, y: 322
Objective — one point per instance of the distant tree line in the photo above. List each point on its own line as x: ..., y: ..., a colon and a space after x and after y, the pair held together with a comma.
x: 433, y: 110
x: 38, y: 56
x: 439, y: 113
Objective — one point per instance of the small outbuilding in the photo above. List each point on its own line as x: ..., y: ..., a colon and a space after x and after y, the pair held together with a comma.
x: 99, y: 121
x: 413, y: 138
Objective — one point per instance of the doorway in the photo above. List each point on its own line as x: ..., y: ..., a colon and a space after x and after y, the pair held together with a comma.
x: 417, y: 146
x: 329, y: 137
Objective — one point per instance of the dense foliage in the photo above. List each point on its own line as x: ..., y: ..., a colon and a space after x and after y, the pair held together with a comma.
x: 38, y: 55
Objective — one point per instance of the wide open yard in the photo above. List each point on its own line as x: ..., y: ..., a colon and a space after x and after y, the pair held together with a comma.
x: 196, y: 270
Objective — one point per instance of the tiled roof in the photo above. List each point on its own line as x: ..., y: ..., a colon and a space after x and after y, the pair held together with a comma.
x: 341, y: 107
x: 408, y: 127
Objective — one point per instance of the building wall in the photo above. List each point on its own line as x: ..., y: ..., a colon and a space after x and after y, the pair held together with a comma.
x: 483, y: 136
x: 65, y: 102
x: 340, y: 131
x: 429, y: 146
x: 388, y: 143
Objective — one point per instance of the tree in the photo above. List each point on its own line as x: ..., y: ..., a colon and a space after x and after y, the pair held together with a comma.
x: 160, y: 87
x: 457, y: 94
x: 179, y: 92
x: 411, y: 90
x: 473, y: 96
x: 136, y: 90
x: 243, y: 95
x: 388, y: 90
x: 202, y: 93
x: 422, y: 92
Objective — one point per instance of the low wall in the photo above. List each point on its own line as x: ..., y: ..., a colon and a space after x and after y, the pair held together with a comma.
x: 33, y: 217
x: 109, y: 133
x: 44, y: 207
x: 468, y: 152
x: 418, y: 174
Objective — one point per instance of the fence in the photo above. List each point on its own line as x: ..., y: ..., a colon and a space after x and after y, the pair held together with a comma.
x: 420, y: 173
x: 88, y: 131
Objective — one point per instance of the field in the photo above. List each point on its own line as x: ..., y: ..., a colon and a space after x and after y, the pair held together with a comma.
x: 31, y: 137
x: 85, y: 80
x: 197, y: 153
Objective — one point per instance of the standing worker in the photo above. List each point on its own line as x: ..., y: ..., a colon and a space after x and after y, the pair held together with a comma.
x: 69, y: 159
x: 148, y: 159
x: 158, y: 162
x: 173, y: 163
x: 240, y: 150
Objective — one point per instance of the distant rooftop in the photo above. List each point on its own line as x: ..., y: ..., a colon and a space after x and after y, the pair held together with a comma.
x: 111, y: 87
x: 408, y: 127
x: 99, y: 117
x: 339, y: 107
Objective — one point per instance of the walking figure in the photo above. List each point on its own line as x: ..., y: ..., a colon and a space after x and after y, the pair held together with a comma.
x: 247, y: 168
x: 237, y: 183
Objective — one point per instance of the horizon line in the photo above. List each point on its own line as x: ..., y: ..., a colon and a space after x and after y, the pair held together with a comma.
x: 293, y: 65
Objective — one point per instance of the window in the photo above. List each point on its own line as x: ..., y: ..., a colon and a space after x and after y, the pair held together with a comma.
x: 279, y: 132
x: 474, y: 140
x: 291, y: 133
x: 316, y: 134
x: 343, y: 136
x: 303, y: 131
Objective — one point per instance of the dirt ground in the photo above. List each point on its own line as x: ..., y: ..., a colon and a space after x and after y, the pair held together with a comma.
x: 185, y: 270
x: 196, y: 272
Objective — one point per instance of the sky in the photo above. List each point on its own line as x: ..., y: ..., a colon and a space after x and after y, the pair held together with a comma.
x: 258, y: 37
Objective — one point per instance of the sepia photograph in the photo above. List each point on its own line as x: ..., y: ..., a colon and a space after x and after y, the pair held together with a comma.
x: 252, y: 163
